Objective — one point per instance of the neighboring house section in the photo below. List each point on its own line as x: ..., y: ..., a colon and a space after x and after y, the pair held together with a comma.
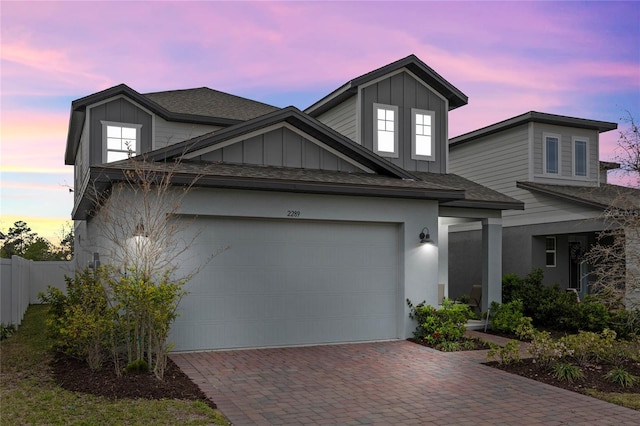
x: 551, y: 164
x: 326, y: 211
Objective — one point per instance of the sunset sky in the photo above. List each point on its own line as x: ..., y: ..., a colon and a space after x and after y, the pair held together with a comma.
x: 578, y: 59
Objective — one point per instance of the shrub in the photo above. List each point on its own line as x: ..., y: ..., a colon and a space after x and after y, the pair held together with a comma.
x: 435, y: 326
x: 588, y: 347
x: 505, y: 317
x: 566, y: 372
x: 590, y: 315
x: 508, y: 354
x: 137, y: 366
x: 525, y: 330
x: 545, y: 350
x: 6, y: 330
x: 626, y: 323
x: 548, y: 306
x: 621, y: 377
x: 80, y: 321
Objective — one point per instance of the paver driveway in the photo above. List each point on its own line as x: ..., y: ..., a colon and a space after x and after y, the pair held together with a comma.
x: 383, y: 383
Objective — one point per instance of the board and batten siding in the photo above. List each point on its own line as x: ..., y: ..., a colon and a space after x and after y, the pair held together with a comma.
x: 171, y: 132
x: 405, y: 92
x: 566, y: 154
x: 342, y: 118
x: 118, y: 110
x: 496, y: 161
x: 282, y: 148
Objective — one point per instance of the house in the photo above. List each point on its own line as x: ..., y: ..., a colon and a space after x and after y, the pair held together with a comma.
x: 334, y: 216
x: 551, y: 164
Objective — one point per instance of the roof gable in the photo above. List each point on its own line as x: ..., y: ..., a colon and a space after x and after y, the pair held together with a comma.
x: 533, y: 117
x: 296, y: 121
x: 411, y: 63
x: 198, y: 106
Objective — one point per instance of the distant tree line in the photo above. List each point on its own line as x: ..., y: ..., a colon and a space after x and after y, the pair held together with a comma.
x: 21, y: 241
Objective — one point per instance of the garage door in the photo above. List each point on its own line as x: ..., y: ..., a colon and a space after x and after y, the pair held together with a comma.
x: 290, y: 283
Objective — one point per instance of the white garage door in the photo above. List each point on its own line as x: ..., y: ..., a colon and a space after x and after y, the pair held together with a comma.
x: 289, y: 283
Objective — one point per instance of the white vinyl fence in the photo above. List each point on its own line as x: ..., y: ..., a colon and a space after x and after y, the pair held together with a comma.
x: 21, y: 280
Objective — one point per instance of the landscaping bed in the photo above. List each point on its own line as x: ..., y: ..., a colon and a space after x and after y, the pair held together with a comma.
x: 594, y: 376
x: 74, y: 375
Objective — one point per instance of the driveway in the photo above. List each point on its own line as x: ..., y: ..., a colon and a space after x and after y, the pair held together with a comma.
x: 386, y: 383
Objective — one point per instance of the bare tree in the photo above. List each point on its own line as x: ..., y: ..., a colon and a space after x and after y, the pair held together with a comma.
x: 142, y: 235
x: 629, y: 147
x: 616, y: 256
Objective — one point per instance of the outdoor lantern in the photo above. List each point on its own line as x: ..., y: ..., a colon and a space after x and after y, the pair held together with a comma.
x: 425, y: 237
x: 139, y: 231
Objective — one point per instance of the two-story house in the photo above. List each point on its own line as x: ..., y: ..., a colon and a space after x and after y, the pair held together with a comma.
x: 551, y: 164
x: 334, y: 216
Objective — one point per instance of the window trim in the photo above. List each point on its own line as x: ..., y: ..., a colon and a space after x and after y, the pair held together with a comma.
x: 105, y: 124
x: 414, y: 145
x: 554, y: 251
x: 396, y: 129
x: 575, y: 139
x: 545, y: 136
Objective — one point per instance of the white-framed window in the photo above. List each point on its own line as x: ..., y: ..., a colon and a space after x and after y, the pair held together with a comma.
x: 551, y: 153
x: 422, y: 134
x: 385, y: 135
x: 580, y: 147
x: 551, y: 251
x: 120, y: 140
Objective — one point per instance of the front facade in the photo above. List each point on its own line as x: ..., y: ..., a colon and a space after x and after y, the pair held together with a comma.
x: 551, y: 164
x: 321, y: 210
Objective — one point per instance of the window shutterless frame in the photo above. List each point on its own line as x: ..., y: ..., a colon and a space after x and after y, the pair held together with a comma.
x: 551, y: 252
x: 580, y: 150
x: 551, y: 149
x: 422, y: 134
x: 385, y: 130
x: 119, y: 139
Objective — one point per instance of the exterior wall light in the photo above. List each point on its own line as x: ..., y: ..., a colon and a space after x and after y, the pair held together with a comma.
x: 425, y: 237
x: 139, y: 231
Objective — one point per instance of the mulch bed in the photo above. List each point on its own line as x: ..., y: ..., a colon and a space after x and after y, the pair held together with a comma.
x: 478, y: 344
x: 593, y: 376
x: 74, y: 375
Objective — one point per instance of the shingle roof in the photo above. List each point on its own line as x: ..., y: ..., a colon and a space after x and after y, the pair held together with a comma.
x: 455, y: 97
x: 602, y: 197
x: 211, y: 103
x: 475, y: 194
x: 535, y: 117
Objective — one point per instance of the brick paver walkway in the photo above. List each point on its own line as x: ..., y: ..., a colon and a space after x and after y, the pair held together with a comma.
x: 386, y: 383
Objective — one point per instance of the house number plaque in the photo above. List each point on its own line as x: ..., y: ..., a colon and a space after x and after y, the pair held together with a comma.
x: 293, y: 213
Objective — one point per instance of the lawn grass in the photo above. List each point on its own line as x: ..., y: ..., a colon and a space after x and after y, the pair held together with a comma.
x: 629, y: 400
x: 29, y: 395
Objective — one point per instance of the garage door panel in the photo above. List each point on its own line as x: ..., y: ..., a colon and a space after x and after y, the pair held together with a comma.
x: 289, y: 283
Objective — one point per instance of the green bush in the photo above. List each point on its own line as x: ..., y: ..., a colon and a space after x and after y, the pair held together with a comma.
x: 588, y: 347
x: 621, y: 377
x: 80, y: 322
x: 626, y: 323
x: 508, y: 354
x: 548, y: 306
x: 505, y: 317
x: 137, y: 366
x: 435, y: 326
x: 6, y: 330
x: 590, y: 315
x: 566, y: 372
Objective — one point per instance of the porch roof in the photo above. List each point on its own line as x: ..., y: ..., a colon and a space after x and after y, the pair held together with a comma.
x: 603, y: 197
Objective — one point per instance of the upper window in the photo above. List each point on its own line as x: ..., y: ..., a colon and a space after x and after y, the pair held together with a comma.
x: 551, y: 154
x: 422, y: 140
x: 580, y: 162
x: 121, y: 140
x: 385, y: 138
x: 551, y: 251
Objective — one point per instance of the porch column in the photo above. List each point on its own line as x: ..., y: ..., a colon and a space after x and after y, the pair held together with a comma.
x: 491, y: 262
